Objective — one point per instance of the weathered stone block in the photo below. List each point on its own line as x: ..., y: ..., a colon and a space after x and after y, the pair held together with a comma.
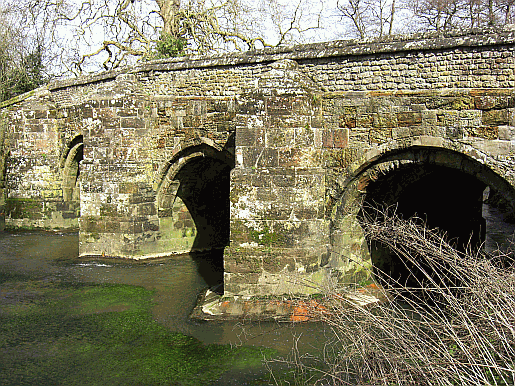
x: 279, y: 210
x: 132, y: 111
x: 299, y: 158
x: 340, y: 158
x: 486, y: 132
x: 506, y: 132
x: 128, y: 188
x: 489, y: 102
x: 267, y: 158
x: 308, y: 213
x: 107, y: 209
x: 239, y: 233
x: 365, y: 120
x: 264, y: 194
x: 246, y: 137
x: 259, y: 179
x: 450, y: 103
x: 495, y: 117
x: 153, y: 225
x: 279, y: 105
x: 283, y: 137
x: 89, y: 224
x: 112, y: 225
x: 251, y: 156
x: 275, y: 263
x: 340, y: 138
x: 328, y: 139
x: 243, y: 278
x: 380, y: 135
x: 42, y: 114
x: 110, y: 123
x: 283, y: 177
x: 385, y: 120
x: 348, y: 118
x: 242, y: 261
x: 409, y: 118
x: 147, y: 209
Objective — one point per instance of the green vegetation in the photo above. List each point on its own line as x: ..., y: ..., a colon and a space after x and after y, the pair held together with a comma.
x: 170, y: 47
x: 55, y: 333
x: 266, y: 237
x: 19, y: 71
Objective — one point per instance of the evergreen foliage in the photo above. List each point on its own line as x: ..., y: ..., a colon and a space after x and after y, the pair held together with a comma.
x: 21, y: 62
x: 170, y: 47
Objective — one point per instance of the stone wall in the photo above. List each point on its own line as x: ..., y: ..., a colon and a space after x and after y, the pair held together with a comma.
x: 34, y: 140
x: 265, y: 154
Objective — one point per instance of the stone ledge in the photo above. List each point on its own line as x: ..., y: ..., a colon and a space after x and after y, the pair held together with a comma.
x: 354, y: 47
x: 212, y: 306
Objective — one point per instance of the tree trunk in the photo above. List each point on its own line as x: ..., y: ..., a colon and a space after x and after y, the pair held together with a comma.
x: 491, y: 16
x: 168, y: 10
x: 392, y: 14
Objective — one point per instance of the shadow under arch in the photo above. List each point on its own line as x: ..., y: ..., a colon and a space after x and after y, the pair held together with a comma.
x: 442, y: 187
x: 71, y: 157
x: 194, y: 207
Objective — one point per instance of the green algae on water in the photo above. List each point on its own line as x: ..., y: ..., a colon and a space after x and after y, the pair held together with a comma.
x: 55, y: 333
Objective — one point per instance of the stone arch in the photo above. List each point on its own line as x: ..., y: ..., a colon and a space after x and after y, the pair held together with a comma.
x: 184, y: 153
x: 441, y: 152
x: 402, y: 170
x: 70, y: 161
x: 193, y: 198
x: 194, y: 207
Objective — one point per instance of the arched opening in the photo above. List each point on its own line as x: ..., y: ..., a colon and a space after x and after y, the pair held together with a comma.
x: 439, y: 197
x: 443, y: 189
x: 194, y: 208
x: 70, y: 161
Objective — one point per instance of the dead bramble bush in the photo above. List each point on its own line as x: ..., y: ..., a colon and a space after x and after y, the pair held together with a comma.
x: 456, y: 326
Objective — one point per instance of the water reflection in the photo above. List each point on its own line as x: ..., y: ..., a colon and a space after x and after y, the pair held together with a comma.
x: 499, y: 233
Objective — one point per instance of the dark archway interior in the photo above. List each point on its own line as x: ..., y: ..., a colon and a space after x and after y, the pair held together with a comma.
x: 441, y: 197
x: 204, y: 188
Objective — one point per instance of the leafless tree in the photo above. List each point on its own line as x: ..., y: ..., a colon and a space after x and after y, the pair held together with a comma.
x: 21, y: 55
x: 356, y: 12
x: 506, y: 8
x: 366, y: 18
x: 93, y: 34
x: 441, y: 15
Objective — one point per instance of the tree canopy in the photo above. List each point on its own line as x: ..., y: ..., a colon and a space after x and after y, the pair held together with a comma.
x: 105, y: 34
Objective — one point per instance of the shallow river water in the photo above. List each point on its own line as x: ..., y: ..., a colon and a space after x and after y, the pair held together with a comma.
x: 175, y: 281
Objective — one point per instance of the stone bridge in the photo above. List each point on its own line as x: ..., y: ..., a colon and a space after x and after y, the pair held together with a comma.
x: 263, y: 157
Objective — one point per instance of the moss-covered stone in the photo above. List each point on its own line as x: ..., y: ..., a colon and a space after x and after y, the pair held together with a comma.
x: 266, y: 237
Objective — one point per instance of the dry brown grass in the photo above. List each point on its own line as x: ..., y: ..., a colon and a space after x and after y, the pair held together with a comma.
x: 455, y: 327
